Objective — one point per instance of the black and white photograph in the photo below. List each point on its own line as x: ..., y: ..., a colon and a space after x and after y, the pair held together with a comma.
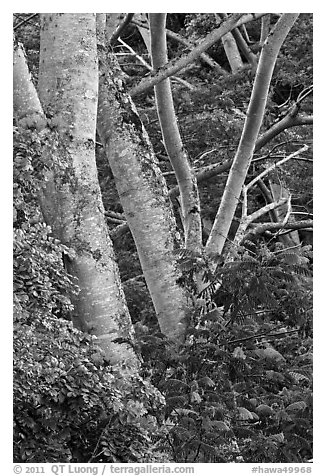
x: 162, y: 242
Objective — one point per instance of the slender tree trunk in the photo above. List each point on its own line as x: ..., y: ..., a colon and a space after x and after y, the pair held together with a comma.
x: 71, y: 200
x: 245, y: 50
x: 115, y: 35
x: 241, y: 163
x: 143, y: 194
x: 143, y: 28
x: 190, y: 206
x: 27, y: 107
x: 112, y: 22
x: 231, y: 50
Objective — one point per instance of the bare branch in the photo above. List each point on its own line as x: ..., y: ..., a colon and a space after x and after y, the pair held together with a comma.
x: 189, y: 44
x: 25, y: 21
x: 262, y: 228
x: 277, y: 164
x: 177, y: 64
x: 125, y: 22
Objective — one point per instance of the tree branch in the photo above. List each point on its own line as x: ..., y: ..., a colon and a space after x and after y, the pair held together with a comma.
x: 263, y: 227
x: 180, y: 39
x: 177, y: 64
x: 116, y: 34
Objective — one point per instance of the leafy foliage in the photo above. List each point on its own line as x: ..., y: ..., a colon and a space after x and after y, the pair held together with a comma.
x: 68, y: 405
x: 240, y: 388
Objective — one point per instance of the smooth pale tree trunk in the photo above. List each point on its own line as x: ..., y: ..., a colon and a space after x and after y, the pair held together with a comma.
x: 143, y: 28
x: 27, y: 108
x: 71, y: 200
x: 241, y: 163
x: 143, y: 194
x: 231, y: 50
x: 111, y: 22
x: 190, y: 205
x: 112, y: 36
x: 245, y: 50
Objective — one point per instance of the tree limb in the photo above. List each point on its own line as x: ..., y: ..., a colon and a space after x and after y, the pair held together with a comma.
x: 177, y: 64
x: 180, y: 39
x: 149, y: 67
x: 116, y: 34
x: 263, y: 227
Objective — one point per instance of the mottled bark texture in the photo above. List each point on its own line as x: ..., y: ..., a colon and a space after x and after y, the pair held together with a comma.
x: 71, y: 202
x: 241, y: 163
x: 190, y: 205
x: 27, y: 107
x: 143, y: 194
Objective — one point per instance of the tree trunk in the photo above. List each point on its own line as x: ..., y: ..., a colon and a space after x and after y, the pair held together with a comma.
x: 27, y: 107
x: 71, y: 201
x: 190, y: 206
x: 241, y: 163
x: 112, y: 22
x: 231, y: 50
x: 143, y: 194
x: 143, y: 30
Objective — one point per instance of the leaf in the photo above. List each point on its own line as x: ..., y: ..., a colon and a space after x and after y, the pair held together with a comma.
x: 273, y: 354
x: 206, y: 382
x: 174, y: 401
x: 264, y: 410
x: 185, y: 412
x: 238, y: 353
x: 298, y: 377
x: 195, y: 397
x: 220, y: 425
x: 174, y: 384
x: 245, y: 414
x: 296, y: 406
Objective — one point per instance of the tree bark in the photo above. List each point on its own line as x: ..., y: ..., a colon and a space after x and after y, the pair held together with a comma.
x: 143, y: 194
x: 245, y: 50
x: 190, y: 205
x: 27, y: 107
x: 71, y: 200
x: 231, y: 50
x: 264, y: 28
x: 114, y: 36
x: 111, y: 21
x: 242, y: 160
x: 143, y: 28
